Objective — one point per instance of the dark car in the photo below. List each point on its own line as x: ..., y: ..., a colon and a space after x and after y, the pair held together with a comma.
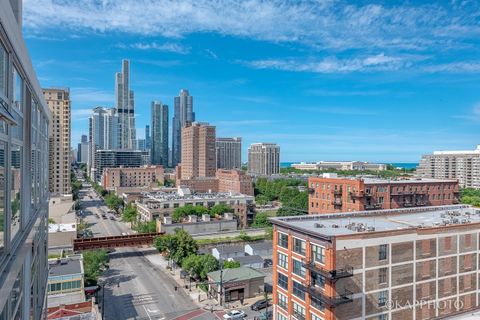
x: 260, y: 304
x: 266, y: 316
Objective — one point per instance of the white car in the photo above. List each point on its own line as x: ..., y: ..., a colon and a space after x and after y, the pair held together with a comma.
x: 234, y: 314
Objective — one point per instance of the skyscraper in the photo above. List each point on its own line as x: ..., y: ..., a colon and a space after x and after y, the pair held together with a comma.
x: 24, y: 161
x: 125, y: 107
x: 83, y: 150
x: 104, y: 132
x: 148, y: 138
x: 58, y: 101
x: 183, y: 113
x: 263, y: 159
x: 198, y: 151
x: 229, y: 153
x: 159, y: 150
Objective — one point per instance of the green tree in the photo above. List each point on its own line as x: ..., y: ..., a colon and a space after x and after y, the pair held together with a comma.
x: 166, y: 245
x: 230, y: 264
x: 244, y: 236
x: 51, y: 221
x: 220, y: 209
x: 199, y: 266
x: 186, y: 246
x: 146, y: 227
x: 130, y: 213
x: 261, y: 220
x: 261, y: 199
x: 113, y: 201
x: 94, y: 263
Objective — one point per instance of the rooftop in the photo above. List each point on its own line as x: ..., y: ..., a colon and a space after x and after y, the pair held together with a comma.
x: 71, y: 265
x: 349, y: 223
x: 248, y: 259
x: 236, y: 274
x: 267, y: 245
x: 369, y: 179
x: 171, y: 196
x: 61, y: 227
x: 229, y: 249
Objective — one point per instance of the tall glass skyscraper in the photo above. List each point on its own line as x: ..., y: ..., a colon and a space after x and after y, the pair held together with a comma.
x: 24, y: 120
x: 159, y: 150
x: 148, y: 138
x: 125, y: 107
x: 183, y: 113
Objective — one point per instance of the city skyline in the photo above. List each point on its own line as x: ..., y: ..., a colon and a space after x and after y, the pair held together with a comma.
x: 321, y: 95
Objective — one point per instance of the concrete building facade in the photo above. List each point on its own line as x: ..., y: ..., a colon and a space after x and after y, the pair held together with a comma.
x: 183, y: 113
x: 24, y: 182
x: 146, y: 176
x: 416, y: 263
x: 198, y: 151
x: 58, y: 101
x: 159, y: 147
x: 116, y: 158
x: 461, y: 165
x: 263, y: 159
x: 333, y: 194
x: 340, y: 165
x: 229, y: 153
x: 65, y: 280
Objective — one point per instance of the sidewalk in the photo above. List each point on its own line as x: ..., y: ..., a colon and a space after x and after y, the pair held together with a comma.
x: 196, y: 294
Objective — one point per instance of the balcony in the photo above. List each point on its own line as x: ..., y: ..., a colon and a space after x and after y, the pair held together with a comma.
x: 337, y: 202
x: 358, y: 194
x: 373, y: 206
x: 338, y: 192
x: 311, y: 190
x: 330, y: 275
x: 330, y: 302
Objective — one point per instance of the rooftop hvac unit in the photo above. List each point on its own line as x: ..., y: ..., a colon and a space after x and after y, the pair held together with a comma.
x: 335, y: 226
x: 318, y: 225
x: 371, y: 229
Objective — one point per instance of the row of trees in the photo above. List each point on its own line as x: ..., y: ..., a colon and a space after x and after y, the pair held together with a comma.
x: 391, y: 172
x: 294, y: 202
x: 94, y: 263
x: 470, y: 196
x: 181, y: 213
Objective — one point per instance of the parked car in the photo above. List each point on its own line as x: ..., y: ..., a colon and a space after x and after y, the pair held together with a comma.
x: 112, y: 218
x: 234, y: 314
x: 268, y: 315
x: 267, y: 263
x: 260, y: 304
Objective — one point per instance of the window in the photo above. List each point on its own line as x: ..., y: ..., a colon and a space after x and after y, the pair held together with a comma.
x: 16, y: 187
x: 318, y: 280
x: 2, y: 196
x: 299, y: 246
x: 317, y: 303
x: 17, y: 90
x: 298, y: 290
x: 3, y: 71
x: 380, y: 200
x: 282, y: 301
x: 281, y: 316
x: 283, y: 240
x: 282, y: 260
x: 382, y: 275
x: 318, y: 253
x: 298, y: 269
x: 382, y: 252
x: 298, y: 311
x: 382, y: 298
x: 282, y: 281
x: 383, y: 317
x: 447, y: 243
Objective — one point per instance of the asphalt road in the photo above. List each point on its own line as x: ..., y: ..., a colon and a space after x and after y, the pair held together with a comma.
x: 136, y: 289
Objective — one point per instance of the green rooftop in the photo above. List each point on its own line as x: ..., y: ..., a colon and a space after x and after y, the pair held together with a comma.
x: 236, y: 274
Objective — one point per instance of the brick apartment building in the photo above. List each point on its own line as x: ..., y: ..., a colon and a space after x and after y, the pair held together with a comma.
x: 146, y: 176
x: 330, y: 193
x: 234, y: 181
x: 398, y: 264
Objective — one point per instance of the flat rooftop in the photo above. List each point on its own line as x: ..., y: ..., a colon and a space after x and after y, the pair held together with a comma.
x: 66, y: 266
x: 61, y: 227
x: 376, y: 180
x: 172, y: 196
x: 349, y: 223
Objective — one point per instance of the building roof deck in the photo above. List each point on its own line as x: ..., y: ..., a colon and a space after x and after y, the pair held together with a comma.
x: 350, y: 223
x: 66, y: 266
x: 171, y: 196
x: 369, y: 179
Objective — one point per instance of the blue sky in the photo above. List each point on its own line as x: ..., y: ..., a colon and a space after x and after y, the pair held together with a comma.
x: 327, y: 80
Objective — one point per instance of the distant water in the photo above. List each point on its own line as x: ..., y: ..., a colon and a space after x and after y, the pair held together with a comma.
x: 403, y: 165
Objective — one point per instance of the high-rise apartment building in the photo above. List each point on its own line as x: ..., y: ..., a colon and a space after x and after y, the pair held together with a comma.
x: 24, y: 161
x: 331, y: 193
x: 104, y: 130
x: 58, y: 101
x: 141, y: 145
x: 263, y: 159
x: 183, y: 113
x: 125, y: 107
x: 159, y: 125
x: 83, y: 150
x: 148, y: 138
x: 198, y: 151
x: 229, y: 153
x: 411, y: 263
x: 461, y: 165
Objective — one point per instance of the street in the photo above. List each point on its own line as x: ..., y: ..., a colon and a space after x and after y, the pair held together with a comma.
x: 134, y: 287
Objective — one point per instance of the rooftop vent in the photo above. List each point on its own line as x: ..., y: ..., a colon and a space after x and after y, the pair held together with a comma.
x: 318, y: 225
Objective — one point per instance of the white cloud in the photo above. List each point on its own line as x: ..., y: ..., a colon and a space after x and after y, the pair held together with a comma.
x: 336, y: 25
x: 88, y: 95
x: 380, y: 62
x: 164, y: 47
